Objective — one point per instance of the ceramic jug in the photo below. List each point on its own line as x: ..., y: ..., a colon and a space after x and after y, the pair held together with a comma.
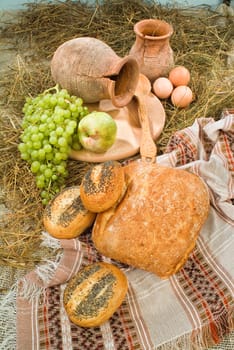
x: 89, y: 68
x: 152, y: 47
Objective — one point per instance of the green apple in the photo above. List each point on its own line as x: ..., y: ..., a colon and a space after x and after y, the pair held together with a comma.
x: 97, y: 131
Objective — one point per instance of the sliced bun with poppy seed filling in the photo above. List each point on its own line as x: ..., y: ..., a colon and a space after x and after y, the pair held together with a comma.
x: 65, y: 216
x: 156, y: 224
x: 93, y: 295
x: 103, y: 186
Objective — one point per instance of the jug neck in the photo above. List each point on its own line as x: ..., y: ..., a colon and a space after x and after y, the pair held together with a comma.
x: 153, y: 30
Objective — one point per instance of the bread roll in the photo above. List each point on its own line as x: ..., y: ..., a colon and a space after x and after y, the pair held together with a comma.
x: 94, y: 294
x: 65, y: 216
x: 156, y: 225
x: 102, y: 186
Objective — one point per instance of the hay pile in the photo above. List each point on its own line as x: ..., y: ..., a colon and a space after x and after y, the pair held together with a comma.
x: 197, y: 42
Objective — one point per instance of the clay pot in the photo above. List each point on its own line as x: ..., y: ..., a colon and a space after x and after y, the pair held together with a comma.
x: 90, y: 69
x: 152, y: 48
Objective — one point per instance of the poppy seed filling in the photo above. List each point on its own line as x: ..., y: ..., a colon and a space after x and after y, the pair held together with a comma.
x: 96, y: 299
x: 75, y: 208
x: 105, y: 178
x: 78, y: 279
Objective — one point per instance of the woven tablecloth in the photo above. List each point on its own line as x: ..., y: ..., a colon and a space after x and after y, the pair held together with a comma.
x: 193, y: 309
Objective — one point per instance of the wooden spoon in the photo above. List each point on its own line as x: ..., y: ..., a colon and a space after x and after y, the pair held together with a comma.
x: 148, y: 149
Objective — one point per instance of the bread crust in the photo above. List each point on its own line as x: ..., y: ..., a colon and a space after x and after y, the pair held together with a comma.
x: 156, y: 225
x: 94, y: 294
x: 65, y: 217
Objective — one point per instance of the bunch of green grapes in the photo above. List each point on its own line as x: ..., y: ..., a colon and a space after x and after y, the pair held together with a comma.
x: 49, y: 130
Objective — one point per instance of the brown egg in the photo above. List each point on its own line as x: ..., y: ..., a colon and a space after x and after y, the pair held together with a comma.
x: 179, y: 76
x: 162, y: 87
x: 182, y: 96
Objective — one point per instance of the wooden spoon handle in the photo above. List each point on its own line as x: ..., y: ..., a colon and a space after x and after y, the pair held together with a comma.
x: 148, y: 149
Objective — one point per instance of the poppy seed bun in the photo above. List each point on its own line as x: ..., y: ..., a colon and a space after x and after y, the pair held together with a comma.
x: 65, y: 216
x: 102, y: 186
x: 156, y: 225
x: 93, y: 295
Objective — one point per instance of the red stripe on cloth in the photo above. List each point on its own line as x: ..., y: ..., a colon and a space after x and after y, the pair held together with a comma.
x: 46, y: 326
x: 214, y: 332
x: 229, y: 153
x: 182, y: 153
x: 126, y: 330
x: 186, y: 136
x: 220, y: 292
x: 205, y: 305
x: 186, y: 150
x: 140, y: 326
x: 219, y: 270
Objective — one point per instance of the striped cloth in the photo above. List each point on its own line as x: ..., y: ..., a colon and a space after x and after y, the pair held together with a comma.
x: 193, y: 309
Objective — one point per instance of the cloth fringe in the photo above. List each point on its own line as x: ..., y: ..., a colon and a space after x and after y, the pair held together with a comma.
x: 45, y: 272
x: 8, y: 320
x: 27, y: 290
x: 49, y: 241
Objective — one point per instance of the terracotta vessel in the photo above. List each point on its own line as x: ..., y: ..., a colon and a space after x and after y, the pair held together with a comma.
x: 152, y: 48
x: 90, y: 69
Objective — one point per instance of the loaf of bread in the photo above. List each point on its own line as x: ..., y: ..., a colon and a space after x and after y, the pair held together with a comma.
x: 65, y: 216
x: 102, y: 186
x: 156, y: 225
x: 93, y: 295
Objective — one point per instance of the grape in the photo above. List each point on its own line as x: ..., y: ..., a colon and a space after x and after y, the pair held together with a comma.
x: 53, y: 140
x: 49, y: 125
x: 25, y: 156
x: 33, y: 153
x: 76, y: 145
x: 48, y: 173
x: 62, y: 141
x: 35, y: 167
x: 22, y: 148
x: 59, y: 131
x: 37, y: 145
